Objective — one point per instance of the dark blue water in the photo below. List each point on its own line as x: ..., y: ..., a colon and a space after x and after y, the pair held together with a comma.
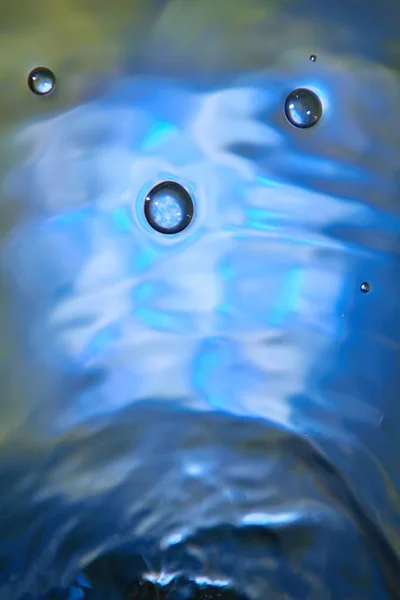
x: 216, y: 410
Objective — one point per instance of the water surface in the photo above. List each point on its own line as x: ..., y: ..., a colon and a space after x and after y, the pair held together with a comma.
x: 215, y: 409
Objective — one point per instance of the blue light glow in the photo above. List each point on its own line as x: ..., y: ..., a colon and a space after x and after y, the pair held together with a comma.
x: 121, y: 220
x: 158, y: 135
x: 286, y: 302
x: 214, y: 390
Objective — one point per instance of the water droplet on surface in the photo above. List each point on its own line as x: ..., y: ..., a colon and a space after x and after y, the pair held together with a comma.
x: 41, y: 81
x: 168, y: 208
x: 313, y: 57
x: 303, y: 108
x: 365, y: 287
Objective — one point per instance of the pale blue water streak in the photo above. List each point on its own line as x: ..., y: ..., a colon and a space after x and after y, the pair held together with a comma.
x: 221, y: 403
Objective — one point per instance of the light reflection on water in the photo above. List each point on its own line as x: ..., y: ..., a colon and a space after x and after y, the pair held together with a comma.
x: 219, y: 404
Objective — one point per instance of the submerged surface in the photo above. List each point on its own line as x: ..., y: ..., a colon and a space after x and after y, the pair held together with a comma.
x: 216, y: 408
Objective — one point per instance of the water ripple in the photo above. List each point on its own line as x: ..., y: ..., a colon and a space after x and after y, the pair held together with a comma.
x: 217, y: 406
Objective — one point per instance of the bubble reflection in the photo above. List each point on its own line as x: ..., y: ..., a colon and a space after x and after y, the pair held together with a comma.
x: 169, y: 208
x: 303, y: 108
x: 41, y: 81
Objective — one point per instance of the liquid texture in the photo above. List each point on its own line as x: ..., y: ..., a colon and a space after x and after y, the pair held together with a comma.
x: 214, y: 413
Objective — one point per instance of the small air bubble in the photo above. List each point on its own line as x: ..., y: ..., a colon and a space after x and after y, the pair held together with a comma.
x: 168, y: 208
x: 365, y: 287
x: 313, y: 57
x: 41, y: 81
x: 303, y: 108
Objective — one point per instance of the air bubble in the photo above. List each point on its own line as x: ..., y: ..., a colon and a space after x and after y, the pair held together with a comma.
x: 168, y: 208
x: 303, y: 108
x: 313, y: 57
x: 365, y: 287
x: 41, y: 81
